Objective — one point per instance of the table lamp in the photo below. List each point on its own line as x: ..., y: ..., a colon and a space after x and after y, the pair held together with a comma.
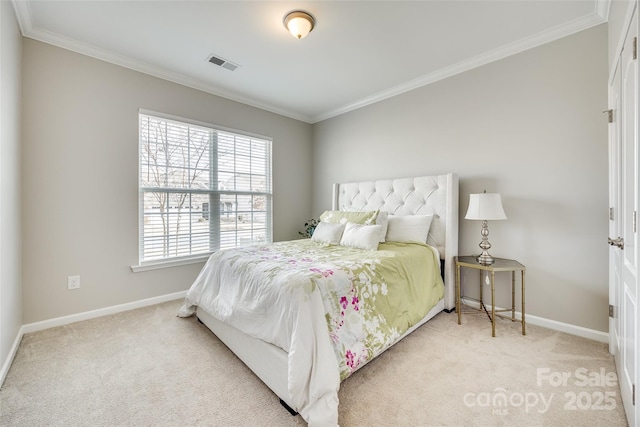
x: 485, y: 207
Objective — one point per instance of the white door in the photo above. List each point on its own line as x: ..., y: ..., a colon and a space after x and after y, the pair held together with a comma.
x: 615, y: 179
x: 624, y: 196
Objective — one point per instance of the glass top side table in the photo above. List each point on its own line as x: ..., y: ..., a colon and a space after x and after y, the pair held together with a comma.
x: 500, y: 264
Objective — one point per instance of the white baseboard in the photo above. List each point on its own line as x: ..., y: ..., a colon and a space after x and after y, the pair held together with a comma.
x: 11, y: 355
x: 591, y: 334
x: 568, y: 328
x: 65, y: 320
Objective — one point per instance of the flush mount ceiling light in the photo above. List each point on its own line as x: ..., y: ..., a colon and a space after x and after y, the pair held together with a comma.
x: 299, y: 23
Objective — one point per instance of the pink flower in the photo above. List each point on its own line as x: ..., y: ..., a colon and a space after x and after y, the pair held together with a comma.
x: 344, y: 303
x: 350, y: 359
x: 355, y: 302
x: 325, y: 273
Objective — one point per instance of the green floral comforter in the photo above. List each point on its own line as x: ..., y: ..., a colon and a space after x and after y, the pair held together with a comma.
x: 331, y: 308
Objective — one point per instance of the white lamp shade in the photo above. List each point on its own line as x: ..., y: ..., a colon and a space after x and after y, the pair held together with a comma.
x: 485, y: 206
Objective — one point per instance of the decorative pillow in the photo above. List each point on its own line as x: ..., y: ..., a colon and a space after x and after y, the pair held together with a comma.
x: 327, y: 232
x: 361, y: 236
x: 408, y: 228
x: 342, y: 217
x: 383, y: 220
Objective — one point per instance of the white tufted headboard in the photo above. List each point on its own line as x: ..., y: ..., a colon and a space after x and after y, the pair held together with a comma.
x: 437, y: 195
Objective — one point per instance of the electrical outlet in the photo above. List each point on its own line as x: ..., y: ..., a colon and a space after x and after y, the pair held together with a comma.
x: 73, y: 282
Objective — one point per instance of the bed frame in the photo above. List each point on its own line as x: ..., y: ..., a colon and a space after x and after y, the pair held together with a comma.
x: 437, y: 195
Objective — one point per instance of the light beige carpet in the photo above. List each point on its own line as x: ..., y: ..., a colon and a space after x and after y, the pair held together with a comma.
x: 148, y: 367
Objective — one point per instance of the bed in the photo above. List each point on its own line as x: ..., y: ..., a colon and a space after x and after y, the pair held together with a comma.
x: 303, y: 342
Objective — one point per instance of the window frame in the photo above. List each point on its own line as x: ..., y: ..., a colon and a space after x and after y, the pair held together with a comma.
x: 172, y: 261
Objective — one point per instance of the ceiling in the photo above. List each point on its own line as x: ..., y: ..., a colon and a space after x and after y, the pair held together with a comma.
x: 360, y: 52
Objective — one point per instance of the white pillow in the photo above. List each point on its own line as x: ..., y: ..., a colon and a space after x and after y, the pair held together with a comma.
x: 361, y: 236
x: 408, y: 228
x: 382, y: 219
x: 328, y: 232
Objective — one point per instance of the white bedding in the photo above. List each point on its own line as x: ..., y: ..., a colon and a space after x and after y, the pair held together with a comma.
x: 318, y: 310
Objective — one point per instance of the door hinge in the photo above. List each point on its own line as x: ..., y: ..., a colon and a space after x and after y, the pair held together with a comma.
x: 610, y: 214
x: 633, y: 395
x: 609, y: 115
x: 635, y: 221
x: 610, y: 310
x: 635, y: 47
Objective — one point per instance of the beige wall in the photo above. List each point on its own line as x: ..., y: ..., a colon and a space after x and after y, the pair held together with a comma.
x: 529, y: 127
x: 80, y: 154
x: 10, y: 238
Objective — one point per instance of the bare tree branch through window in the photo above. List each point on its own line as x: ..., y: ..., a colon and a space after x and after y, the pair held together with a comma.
x: 201, y: 189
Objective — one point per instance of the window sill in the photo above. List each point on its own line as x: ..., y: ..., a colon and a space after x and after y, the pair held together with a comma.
x: 156, y: 265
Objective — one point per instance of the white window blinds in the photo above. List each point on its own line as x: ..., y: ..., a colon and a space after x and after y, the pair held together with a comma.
x: 201, y: 189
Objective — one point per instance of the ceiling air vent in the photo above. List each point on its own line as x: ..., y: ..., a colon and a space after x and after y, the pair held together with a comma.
x: 220, y: 62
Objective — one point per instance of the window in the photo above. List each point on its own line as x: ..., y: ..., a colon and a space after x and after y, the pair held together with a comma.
x: 201, y: 189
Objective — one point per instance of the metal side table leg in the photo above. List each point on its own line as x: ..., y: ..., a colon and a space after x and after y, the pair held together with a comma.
x: 523, y: 322
x: 458, y: 294
x: 493, y: 304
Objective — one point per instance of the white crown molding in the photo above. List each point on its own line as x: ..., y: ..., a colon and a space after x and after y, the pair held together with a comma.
x: 24, y: 21
x: 23, y: 14
x: 536, y: 40
x: 602, y: 8
x: 599, y: 16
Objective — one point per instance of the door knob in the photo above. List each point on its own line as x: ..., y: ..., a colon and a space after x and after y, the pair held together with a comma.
x: 619, y: 242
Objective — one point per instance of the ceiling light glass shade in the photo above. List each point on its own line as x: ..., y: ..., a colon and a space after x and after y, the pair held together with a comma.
x: 485, y: 206
x: 299, y: 24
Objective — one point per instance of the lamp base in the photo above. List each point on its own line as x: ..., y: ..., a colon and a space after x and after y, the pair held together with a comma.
x: 485, y: 259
